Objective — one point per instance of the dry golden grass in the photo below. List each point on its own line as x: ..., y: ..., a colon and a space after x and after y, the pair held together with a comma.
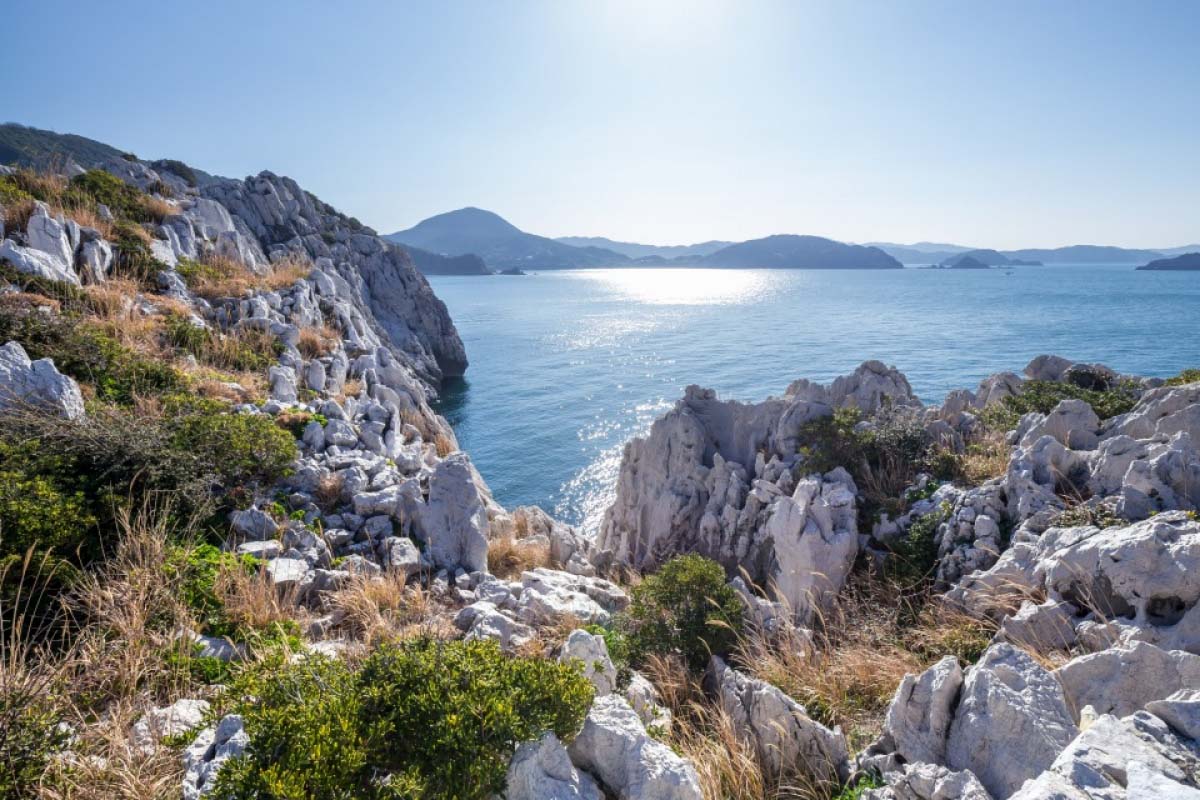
x: 112, y: 299
x: 509, y: 556
x: 220, y: 276
x: 443, y: 444
x: 252, y: 600
x: 985, y: 459
x: 159, y: 208
x: 329, y: 490
x: 384, y: 608
x: 351, y: 388
x: 23, y: 301
x: 88, y: 218
x: 315, y: 342
x: 16, y: 215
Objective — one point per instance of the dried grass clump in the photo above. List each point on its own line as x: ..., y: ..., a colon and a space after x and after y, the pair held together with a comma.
x: 158, y: 208
x: 112, y: 300
x: 17, y: 214
x: 89, y: 218
x: 315, y: 342
x: 217, y: 276
x: 985, y: 459
x: 286, y: 271
x: 384, y: 608
x: 509, y: 556
x: 443, y: 444
x: 250, y: 599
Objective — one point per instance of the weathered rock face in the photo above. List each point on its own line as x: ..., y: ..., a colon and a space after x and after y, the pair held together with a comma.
x: 542, y: 770
x: 721, y: 479
x: 205, y: 756
x: 592, y: 653
x: 1011, y: 722
x: 279, y: 216
x: 615, y: 747
x: 919, y: 717
x: 36, y: 383
x: 1135, y: 757
x: 786, y: 739
x: 455, y: 523
x: 929, y: 782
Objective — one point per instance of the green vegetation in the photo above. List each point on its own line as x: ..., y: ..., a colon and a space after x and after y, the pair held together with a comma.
x: 30, y: 737
x: 1185, y: 377
x: 1043, y: 396
x: 419, y: 719
x: 915, y: 556
x: 686, y: 608
x: 858, y: 786
x: 245, y: 350
x: 1100, y: 516
x: 883, y: 456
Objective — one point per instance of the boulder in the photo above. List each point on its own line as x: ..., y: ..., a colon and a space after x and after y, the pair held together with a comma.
x: 786, y: 739
x: 1135, y: 757
x: 483, y: 620
x: 929, y: 782
x: 455, y: 522
x: 159, y: 723
x: 592, y: 653
x: 615, y: 747
x: 542, y: 770
x: 548, y: 596
x: 919, y: 716
x: 1011, y: 722
x: 1122, y: 680
x: 253, y: 524
x: 205, y: 756
x: 36, y: 383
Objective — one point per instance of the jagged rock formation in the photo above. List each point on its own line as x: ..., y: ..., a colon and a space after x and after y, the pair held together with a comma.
x: 36, y: 384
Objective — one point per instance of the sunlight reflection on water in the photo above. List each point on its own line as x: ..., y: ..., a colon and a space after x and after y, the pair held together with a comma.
x: 682, y: 287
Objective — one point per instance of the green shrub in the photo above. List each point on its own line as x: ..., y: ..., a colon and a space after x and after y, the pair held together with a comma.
x: 246, y: 350
x: 178, y: 167
x: 686, y: 608
x: 133, y: 258
x: 31, y: 736
x: 241, y: 447
x: 11, y: 191
x: 914, y: 557
x: 1185, y: 377
x: 883, y: 456
x: 39, y: 509
x: 617, y: 643
x: 1043, y: 396
x: 89, y: 355
x: 419, y: 719
x: 97, y: 186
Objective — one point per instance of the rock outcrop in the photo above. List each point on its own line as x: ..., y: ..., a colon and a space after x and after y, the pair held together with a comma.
x: 36, y: 384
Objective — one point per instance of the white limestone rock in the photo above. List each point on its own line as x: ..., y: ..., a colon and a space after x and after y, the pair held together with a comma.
x: 1120, y: 681
x: 205, y: 756
x: 483, y: 620
x: 785, y: 737
x: 159, y: 723
x: 36, y: 383
x: 542, y: 770
x: 919, y: 716
x: 929, y: 782
x: 455, y: 522
x: 1011, y: 721
x: 1100, y: 763
x: 548, y: 596
x: 614, y: 747
x: 592, y: 653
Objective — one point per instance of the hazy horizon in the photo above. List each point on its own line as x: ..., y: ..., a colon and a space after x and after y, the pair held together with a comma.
x: 1004, y: 126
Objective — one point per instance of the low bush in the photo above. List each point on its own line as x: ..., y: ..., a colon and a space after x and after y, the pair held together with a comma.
x: 686, y: 608
x: 884, y: 455
x: 243, y: 350
x: 422, y: 718
x: 914, y: 557
x: 1043, y: 396
x: 1185, y: 377
x: 87, y: 353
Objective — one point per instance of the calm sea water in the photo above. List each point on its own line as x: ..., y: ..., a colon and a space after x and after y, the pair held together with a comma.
x: 567, y: 366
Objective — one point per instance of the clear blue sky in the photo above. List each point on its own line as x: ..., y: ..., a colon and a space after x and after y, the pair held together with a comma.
x: 997, y: 124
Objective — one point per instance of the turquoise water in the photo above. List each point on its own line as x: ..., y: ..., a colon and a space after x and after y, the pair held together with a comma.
x: 567, y: 366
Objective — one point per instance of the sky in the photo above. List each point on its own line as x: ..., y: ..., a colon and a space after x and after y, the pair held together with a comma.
x: 1013, y: 124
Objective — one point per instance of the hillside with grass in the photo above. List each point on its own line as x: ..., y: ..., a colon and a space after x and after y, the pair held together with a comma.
x: 242, y: 556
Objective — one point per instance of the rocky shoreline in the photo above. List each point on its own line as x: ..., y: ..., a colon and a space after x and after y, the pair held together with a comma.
x: 1079, y: 548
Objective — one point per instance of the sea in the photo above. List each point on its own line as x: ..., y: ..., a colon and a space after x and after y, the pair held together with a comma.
x: 567, y: 366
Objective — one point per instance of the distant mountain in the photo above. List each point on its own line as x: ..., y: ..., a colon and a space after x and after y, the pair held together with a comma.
x: 499, y: 243
x: 1186, y: 262
x: 921, y: 252
x: 1178, y: 251
x: 639, y: 251
x: 428, y: 263
x: 1084, y: 254
x: 799, y: 252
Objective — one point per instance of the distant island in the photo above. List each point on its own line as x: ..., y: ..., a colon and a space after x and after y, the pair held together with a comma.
x: 987, y: 258
x: 437, y: 264
x: 1188, y: 262
x: 963, y: 262
x: 500, y: 246
x: 512, y: 271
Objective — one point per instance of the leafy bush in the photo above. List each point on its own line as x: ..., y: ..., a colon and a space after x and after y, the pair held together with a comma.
x: 422, y: 718
x: 686, y: 608
x: 915, y: 556
x: 89, y: 355
x: 884, y: 455
x: 30, y: 738
x: 39, y: 509
x: 1185, y: 377
x: 246, y: 350
x: 98, y: 186
x: 241, y: 447
x: 1043, y: 396
x: 133, y: 258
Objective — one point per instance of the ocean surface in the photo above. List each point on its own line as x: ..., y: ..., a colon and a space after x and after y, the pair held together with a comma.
x: 568, y: 366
